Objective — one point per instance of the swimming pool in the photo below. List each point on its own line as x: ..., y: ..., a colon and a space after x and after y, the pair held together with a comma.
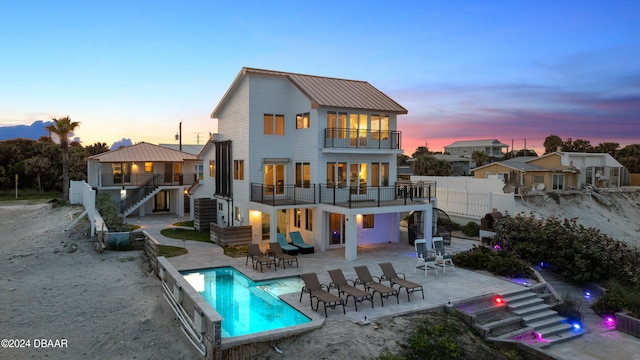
x: 246, y: 306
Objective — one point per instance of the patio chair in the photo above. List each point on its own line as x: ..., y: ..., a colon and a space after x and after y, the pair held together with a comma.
x: 258, y: 258
x: 365, y: 278
x: 426, y: 258
x: 389, y: 274
x: 285, y: 246
x: 316, y: 290
x: 443, y: 258
x: 348, y: 287
x: 303, y: 247
x: 280, y: 256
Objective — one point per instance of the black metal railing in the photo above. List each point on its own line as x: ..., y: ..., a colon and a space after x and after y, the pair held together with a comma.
x: 363, y: 139
x: 140, y: 193
x: 402, y: 193
x: 283, y: 194
x: 141, y: 179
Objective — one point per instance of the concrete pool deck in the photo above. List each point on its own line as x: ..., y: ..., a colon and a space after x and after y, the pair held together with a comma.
x: 597, y: 342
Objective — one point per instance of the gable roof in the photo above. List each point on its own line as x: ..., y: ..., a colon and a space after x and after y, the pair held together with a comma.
x: 143, y: 152
x: 327, y: 92
x: 476, y: 143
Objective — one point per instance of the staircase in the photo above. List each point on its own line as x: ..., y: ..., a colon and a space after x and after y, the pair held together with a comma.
x: 526, y: 318
x: 140, y: 195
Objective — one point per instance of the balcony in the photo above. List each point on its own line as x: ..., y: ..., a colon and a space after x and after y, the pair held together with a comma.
x: 362, y: 139
x: 402, y: 193
x: 150, y: 178
x: 283, y: 194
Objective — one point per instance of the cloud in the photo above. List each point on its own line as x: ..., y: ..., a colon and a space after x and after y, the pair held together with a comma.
x: 34, y: 131
x: 121, y: 143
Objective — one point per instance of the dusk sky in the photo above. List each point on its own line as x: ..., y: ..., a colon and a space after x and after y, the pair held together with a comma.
x: 465, y: 70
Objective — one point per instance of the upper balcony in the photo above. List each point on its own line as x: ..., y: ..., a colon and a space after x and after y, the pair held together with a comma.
x: 402, y: 193
x: 283, y: 194
x: 336, y: 138
x: 148, y: 179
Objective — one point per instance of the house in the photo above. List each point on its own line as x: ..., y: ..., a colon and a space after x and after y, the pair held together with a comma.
x: 460, y: 165
x: 311, y: 154
x: 492, y: 147
x: 556, y: 171
x: 146, y: 178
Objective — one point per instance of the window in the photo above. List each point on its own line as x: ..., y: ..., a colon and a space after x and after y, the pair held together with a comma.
x: 200, y: 171
x: 336, y: 125
x: 557, y: 181
x: 302, y: 121
x: 308, y: 219
x: 274, y: 178
x: 337, y: 174
x: 380, y: 127
x: 303, y: 174
x: 212, y: 168
x: 368, y: 221
x: 238, y: 169
x: 358, y: 178
x: 379, y: 174
x: 296, y: 217
x: 148, y: 167
x: 273, y: 124
x: 237, y: 214
x: 538, y: 179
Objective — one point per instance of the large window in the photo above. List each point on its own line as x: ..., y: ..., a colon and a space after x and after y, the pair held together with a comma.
x: 303, y: 174
x: 368, y: 221
x: 273, y: 124
x: 212, y: 168
x: 379, y: 174
x: 200, y: 171
x: 336, y: 124
x: 274, y: 178
x: 238, y: 169
x: 302, y: 121
x: 148, y: 166
x: 380, y: 127
x: 557, y: 181
x: 337, y: 174
x: 358, y: 178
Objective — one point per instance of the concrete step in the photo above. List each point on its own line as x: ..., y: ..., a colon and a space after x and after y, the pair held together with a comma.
x: 519, y: 296
x: 545, y: 322
x: 561, y: 338
x: 536, y: 316
x: 554, y: 330
x: 529, y: 310
x: 524, y: 303
x: 499, y: 327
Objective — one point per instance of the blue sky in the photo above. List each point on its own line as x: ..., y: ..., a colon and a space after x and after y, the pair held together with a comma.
x: 510, y: 70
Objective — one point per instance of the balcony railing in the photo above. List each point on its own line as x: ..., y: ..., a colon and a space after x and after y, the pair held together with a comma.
x: 402, y: 193
x: 363, y: 139
x: 283, y: 194
x: 143, y: 179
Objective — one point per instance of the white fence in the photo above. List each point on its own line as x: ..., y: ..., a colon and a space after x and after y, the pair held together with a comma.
x: 469, y: 197
x: 81, y: 193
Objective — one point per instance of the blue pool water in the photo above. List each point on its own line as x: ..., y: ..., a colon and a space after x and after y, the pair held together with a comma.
x: 246, y: 306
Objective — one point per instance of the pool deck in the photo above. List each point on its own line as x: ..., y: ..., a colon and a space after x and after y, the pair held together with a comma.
x: 439, y: 289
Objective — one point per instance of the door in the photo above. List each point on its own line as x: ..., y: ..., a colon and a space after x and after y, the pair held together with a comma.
x: 336, y: 230
x: 161, y: 201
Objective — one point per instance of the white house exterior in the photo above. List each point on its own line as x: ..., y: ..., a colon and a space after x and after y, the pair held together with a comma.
x: 311, y: 154
x: 466, y: 148
x: 145, y: 178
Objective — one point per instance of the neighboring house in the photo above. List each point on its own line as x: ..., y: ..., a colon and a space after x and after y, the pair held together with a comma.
x: 311, y: 154
x: 492, y: 147
x: 144, y: 177
x: 460, y: 165
x: 556, y: 171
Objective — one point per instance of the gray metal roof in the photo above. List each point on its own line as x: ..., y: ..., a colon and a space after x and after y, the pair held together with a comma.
x: 143, y: 152
x: 188, y: 148
x: 329, y: 92
x: 476, y: 143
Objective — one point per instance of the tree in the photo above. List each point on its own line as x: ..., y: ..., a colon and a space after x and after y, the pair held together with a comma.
x: 421, y: 151
x: 607, y: 147
x: 62, y: 128
x: 629, y: 157
x: 579, y: 145
x: 480, y: 158
x: 552, y: 143
x: 37, y: 166
x: 98, y: 148
x: 430, y: 166
x: 402, y: 159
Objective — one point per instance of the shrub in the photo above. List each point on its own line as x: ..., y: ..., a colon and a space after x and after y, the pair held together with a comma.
x: 501, y: 263
x: 471, y: 229
x: 569, y: 308
x: 110, y: 213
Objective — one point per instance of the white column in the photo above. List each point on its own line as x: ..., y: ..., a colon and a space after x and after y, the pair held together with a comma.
x: 351, y: 238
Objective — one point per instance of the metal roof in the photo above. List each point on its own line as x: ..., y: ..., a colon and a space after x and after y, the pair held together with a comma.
x: 476, y: 143
x: 329, y: 92
x: 143, y: 152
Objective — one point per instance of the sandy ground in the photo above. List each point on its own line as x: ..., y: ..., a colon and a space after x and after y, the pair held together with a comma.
x: 84, y: 304
x: 108, y: 306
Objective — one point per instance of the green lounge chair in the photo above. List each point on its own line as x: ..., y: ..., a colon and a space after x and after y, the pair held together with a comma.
x: 303, y: 247
x: 286, y: 247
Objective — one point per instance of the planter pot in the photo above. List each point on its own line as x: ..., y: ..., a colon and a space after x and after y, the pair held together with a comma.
x: 628, y: 324
x: 117, y: 240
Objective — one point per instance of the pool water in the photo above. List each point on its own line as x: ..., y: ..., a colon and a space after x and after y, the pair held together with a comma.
x: 246, y: 306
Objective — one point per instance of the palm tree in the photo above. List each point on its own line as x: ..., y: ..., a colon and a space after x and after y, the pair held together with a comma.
x: 62, y: 128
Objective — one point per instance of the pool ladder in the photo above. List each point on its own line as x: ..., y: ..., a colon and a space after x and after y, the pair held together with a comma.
x: 188, y: 327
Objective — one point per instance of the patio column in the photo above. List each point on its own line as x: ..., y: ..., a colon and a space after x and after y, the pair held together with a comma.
x: 351, y: 238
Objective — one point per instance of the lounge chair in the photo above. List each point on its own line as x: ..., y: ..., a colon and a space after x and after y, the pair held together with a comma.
x: 316, y: 290
x: 365, y: 278
x: 443, y: 258
x: 339, y: 282
x: 280, y: 256
x: 285, y: 246
x: 426, y: 258
x: 257, y: 258
x: 389, y: 274
x: 303, y: 247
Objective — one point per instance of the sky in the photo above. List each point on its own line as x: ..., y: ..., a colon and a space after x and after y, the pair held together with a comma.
x: 516, y: 71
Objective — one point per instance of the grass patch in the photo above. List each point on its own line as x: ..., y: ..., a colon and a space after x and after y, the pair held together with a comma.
x: 236, y: 251
x: 170, y: 251
x: 184, y: 223
x: 186, y: 234
x: 29, y: 195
